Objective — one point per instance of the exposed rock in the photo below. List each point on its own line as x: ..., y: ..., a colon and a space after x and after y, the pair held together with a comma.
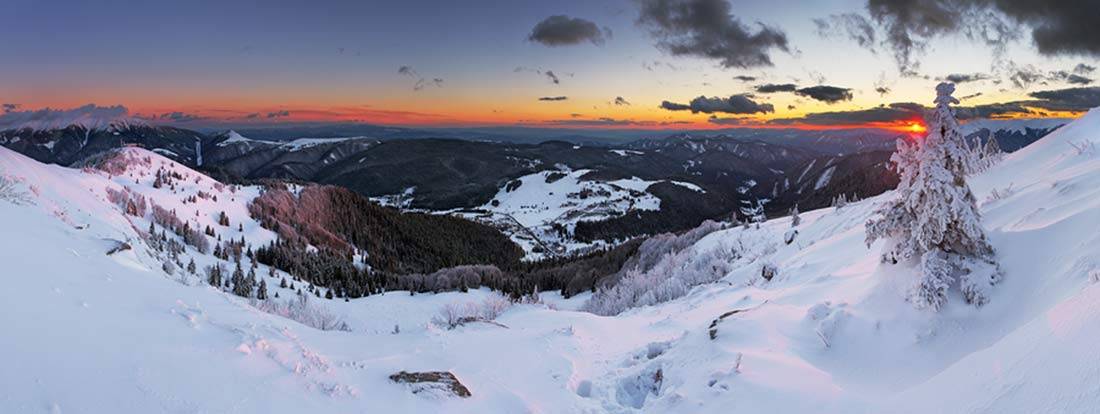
x: 431, y: 383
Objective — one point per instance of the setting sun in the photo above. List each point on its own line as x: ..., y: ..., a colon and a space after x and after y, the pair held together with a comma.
x: 917, y: 127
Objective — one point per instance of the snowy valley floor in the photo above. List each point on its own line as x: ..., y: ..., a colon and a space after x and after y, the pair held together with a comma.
x: 831, y: 332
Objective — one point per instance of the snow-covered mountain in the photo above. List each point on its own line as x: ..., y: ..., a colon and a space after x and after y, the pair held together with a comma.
x: 94, y: 321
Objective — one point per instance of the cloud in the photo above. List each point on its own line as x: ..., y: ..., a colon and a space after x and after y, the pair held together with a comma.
x: 827, y: 94
x: 606, y: 121
x: 1071, y: 99
x: 726, y: 121
x: 408, y: 71
x: 1024, y: 76
x: 898, y: 112
x: 882, y: 90
x: 620, y: 101
x: 1083, y: 69
x: 8, y: 107
x: 48, y: 118
x: 1062, y: 29
x: 178, y: 116
x: 744, y: 78
x: 253, y: 115
x: 736, y: 104
x: 773, y: 88
x: 421, y: 82
x: 553, y: 78
x: 965, y: 77
x: 851, y: 25
x: 561, y: 30
x: 278, y: 114
x: 553, y: 98
x: 707, y: 29
x: 1078, y: 79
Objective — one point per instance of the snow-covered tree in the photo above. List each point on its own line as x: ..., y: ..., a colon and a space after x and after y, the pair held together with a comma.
x: 754, y: 211
x: 795, y: 219
x: 935, y: 218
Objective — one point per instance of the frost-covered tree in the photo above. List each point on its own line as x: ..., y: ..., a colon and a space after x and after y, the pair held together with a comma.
x: 261, y: 294
x: 795, y: 219
x: 754, y: 211
x: 935, y: 219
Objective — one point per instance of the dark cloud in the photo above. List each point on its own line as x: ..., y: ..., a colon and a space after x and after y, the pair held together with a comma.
x: 851, y: 25
x: 971, y: 96
x: 1023, y: 77
x: 1066, y: 27
x: 563, y: 30
x: 421, y: 82
x: 1062, y: 28
x: 726, y: 121
x: 253, y: 115
x: 773, y: 88
x: 965, y: 77
x: 736, y: 104
x: 553, y: 78
x: 902, y: 112
x: 827, y: 94
x: 8, y: 107
x: 790, y: 107
x: 1083, y: 69
x: 672, y: 106
x: 896, y: 112
x: 178, y: 116
x: 882, y: 90
x: 909, y: 24
x: 707, y: 29
x: 1078, y: 79
x: 605, y: 121
x: 1072, y: 99
x: 620, y: 101
x: 278, y: 114
x: 991, y: 110
x: 744, y: 78
x: 553, y: 98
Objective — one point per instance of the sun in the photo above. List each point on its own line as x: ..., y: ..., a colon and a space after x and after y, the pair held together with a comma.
x: 916, y: 127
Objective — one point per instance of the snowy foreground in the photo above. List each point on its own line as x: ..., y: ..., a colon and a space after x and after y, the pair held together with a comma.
x: 831, y: 332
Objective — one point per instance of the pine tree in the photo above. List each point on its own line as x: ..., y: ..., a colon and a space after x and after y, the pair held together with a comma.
x: 262, y: 293
x: 795, y: 219
x: 328, y: 295
x: 215, y: 275
x: 241, y: 286
x: 935, y: 218
x: 191, y: 266
x: 283, y: 283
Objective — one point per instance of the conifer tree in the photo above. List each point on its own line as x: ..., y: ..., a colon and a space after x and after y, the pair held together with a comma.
x: 191, y: 266
x: 795, y: 219
x: 935, y: 219
x: 261, y: 294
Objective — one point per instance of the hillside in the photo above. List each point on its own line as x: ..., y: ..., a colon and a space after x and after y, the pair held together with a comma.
x: 829, y: 332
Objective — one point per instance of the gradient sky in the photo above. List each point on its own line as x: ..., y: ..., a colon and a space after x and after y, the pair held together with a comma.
x: 222, y: 61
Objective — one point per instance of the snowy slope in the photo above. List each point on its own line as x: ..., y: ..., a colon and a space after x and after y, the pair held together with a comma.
x: 829, y: 333
x: 530, y: 207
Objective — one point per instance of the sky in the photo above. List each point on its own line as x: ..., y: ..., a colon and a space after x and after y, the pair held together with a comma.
x: 662, y: 64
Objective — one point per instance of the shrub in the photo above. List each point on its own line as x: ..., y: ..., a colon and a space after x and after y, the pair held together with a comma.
x: 300, y: 309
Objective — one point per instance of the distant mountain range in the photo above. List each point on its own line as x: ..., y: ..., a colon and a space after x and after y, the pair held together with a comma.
x: 782, y: 168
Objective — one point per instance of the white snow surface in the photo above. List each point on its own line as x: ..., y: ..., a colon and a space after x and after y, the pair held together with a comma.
x: 86, y: 332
